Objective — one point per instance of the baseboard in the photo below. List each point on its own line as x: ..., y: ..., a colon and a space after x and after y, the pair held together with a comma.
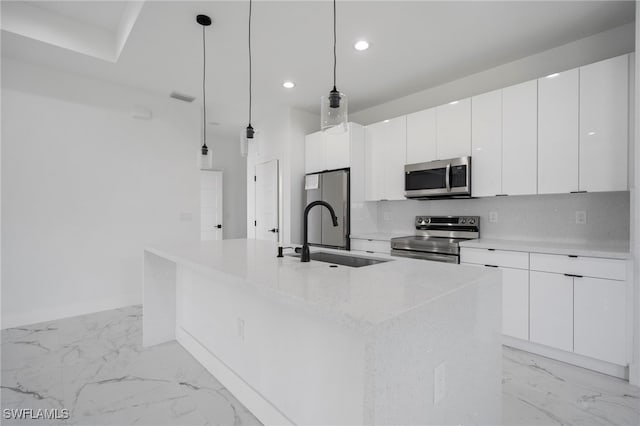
x: 266, y: 412
x: 568, y: 357
x: 634, y: 374
x: 66, y: 311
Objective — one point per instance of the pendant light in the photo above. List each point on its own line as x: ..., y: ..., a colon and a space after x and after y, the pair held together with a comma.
x: 333, y: 108
x: 205, y: 21
x: 247, y: 134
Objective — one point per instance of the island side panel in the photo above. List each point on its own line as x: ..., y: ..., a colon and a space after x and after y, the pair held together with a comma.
x: 159, y: 300
x: 454, y: 339
x: 307, y: 366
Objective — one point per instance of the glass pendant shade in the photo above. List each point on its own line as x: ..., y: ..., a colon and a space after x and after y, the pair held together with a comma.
x: 333, y: 112
x: 247, y: 135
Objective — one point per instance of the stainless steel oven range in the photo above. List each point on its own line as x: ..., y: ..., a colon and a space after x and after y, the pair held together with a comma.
x: 437, y: 238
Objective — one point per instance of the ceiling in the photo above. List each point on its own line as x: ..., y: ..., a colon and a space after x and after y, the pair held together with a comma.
x: 414, y: 45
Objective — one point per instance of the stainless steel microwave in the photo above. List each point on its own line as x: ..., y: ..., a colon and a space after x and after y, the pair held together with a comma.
x: 438, y: 179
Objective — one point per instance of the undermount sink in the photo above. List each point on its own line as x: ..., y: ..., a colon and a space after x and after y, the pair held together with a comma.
x: 345, y: 260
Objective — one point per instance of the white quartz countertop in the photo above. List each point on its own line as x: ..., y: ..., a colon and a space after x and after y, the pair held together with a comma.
x: 378, y: 236
x: 612, y: 251
x: 367, y: 295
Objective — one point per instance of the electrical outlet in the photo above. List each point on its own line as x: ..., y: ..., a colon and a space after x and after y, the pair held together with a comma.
x: 387, y: 216
x: 581, y: 217
x: 241, y: 329
x: 493, y: 217
x: 439, y: 383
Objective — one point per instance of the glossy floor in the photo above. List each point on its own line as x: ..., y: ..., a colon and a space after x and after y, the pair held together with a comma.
x: 94, y: 366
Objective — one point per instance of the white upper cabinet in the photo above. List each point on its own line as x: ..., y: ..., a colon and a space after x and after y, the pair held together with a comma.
x: 421, y: 136
x: 558, y: 132
x: 486, y: 144
x: 327, y: 151
x: 453, y: 124
x: 337, y: 150
x: 520, y: 138
x: 604, y: 114
x: 314, y: 152
x: 385, y: 156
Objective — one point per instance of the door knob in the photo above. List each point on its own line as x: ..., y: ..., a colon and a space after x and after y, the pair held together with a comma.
x: 274, y: 230
x: 219, y: 226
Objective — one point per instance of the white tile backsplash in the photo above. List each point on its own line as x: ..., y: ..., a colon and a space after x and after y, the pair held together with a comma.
x: 530, y: 217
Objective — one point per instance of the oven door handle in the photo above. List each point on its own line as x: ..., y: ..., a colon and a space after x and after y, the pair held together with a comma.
x: 448, y: 177
x: 448, y: 258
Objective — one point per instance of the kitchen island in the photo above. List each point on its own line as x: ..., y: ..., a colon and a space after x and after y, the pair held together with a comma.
x: 400, y: 342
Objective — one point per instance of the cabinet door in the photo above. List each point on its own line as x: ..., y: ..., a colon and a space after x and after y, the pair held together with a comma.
x: 604, y: 110
x: 551, y: 310
x: 395, y: 157
x: 600, y: 319
x: 453, y: 123
x: 519, y: 138
x: 515, y: 303
x: 558, y: 133
x: 421, y: 136
x: 486, y: 144
x: 385, y: 152
x: 314, y: 152
x: 337, y: 148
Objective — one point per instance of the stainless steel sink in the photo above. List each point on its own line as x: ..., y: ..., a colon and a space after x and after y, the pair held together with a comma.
x: 345, y: 260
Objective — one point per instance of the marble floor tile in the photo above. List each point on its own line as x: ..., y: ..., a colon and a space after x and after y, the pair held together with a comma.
x: 95, y: 366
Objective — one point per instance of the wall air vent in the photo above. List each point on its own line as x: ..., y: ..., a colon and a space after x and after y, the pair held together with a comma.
x: 182, y: 97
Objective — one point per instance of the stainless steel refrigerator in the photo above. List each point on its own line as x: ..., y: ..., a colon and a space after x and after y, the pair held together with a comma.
x: 332, y: 187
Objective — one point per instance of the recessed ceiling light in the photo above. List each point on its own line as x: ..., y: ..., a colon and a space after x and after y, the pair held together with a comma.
x: 453, y: 102
x: 361, y: 45
x: 554, y: 75
x: 288, y: 84
x: 591, y: 133
x: 386, y: 121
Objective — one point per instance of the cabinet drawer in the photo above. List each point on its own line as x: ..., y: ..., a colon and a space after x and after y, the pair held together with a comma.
x: 612, y: 269
x: 374, y: 246
x: 508, y: 259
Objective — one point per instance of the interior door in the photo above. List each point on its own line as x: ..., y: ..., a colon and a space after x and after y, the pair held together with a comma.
x: 210, y: 205
x: 266, y: 205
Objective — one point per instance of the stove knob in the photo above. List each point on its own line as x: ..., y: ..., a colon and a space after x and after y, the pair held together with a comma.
x: 428, y: 220
x: 462, y: 221
x: 472, y: 221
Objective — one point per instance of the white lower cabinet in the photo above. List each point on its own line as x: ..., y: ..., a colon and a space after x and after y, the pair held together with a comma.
x: 551, y: 310
x: 574, y: 303
x: 515, y: 303
x: 600, y: 321
x: 370, y: 246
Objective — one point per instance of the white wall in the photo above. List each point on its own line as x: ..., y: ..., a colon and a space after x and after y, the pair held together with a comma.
x: 634, y: 369
x: 225, y: 151
x: 607, y: 44
x: 535, y: 217
x: 281, y: 134
x: 85, y: 187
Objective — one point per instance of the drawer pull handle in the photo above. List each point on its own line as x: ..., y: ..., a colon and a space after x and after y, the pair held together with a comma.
x: 491, y: 266
x: 491, y: 249
x: 369, y: 251
x: 573, y: 275
x: 573, y: 256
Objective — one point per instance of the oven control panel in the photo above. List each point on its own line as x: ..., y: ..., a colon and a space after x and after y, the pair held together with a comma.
x: 423, y: 222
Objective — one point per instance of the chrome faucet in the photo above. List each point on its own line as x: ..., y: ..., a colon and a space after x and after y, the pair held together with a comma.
x: 305, y: 256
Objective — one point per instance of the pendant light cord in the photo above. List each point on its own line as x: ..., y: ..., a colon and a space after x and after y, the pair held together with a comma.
x: 335, y: 58
x: 250, y: 80
x: 204, y: 96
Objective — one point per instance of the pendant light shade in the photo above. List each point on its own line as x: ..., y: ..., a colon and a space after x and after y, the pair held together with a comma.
x: 204, y: 21
x: 248, y: 133
x: 333, y: 108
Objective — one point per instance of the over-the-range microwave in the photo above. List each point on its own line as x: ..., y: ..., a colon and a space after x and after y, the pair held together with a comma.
x: 438, y: 179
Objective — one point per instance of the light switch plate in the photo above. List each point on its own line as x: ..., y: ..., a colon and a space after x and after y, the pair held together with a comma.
x: 493, y: 217
x: 581, y: 217
x: 387, y: 216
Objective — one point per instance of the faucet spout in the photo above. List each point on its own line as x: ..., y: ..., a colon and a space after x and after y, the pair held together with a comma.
x: 305, y: 255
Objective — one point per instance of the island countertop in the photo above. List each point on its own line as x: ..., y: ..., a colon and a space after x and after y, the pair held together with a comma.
x: 366, y: 296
